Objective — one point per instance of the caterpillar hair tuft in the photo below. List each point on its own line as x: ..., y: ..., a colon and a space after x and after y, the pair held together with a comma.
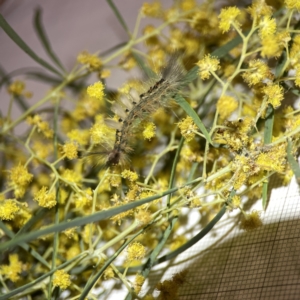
x: 134, y: 108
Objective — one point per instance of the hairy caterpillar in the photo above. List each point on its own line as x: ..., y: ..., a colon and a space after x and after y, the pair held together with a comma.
x: 134, y: 108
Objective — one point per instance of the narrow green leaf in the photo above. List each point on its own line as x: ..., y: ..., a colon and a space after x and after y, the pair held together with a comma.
x: 193, y: 240
x: 190, y: 111
x: 151, y: 260
x: 2, y: 73
x: 118, y: 15
x: 293, y: 162
x: 55, y: 243
x: 265, y: 194
x: 142, y: 65
x: 38, y: 215
x: 191, y: 75
x: 17, y: 39
x: 268, y: 132
x: 193, y: 170
x: 220, y: 52
x: 295, y: 92
x: 41, y: 33
x: 279, y: 12
x: 199, y: 236
x: 155, y: 252
x: 6, y: 79
x: 102, y: 215
x: 279, y: 70
x: 41, y: 76
x: 113, y: 48
x: 267, y: 140
x: 173, y: 171
x: 93, y: 281
x: 39, y: 279
x: 27, y: 248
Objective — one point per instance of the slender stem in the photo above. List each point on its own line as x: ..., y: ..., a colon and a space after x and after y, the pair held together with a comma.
x: 285, y: 137
x: 205, y: 159
x: 131, y: 43
x: 218, y: 78
x: 10, y: 108
x: 57, y: 206
x: 137, y: 24
x: 289, y: 19
x: 169, y: 148
x: 94, y: 208
x: 173, y: 171
x: 118, y: 238
x: 33, y: 107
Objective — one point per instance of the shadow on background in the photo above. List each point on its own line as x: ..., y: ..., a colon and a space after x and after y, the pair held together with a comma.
x: 261, y: 264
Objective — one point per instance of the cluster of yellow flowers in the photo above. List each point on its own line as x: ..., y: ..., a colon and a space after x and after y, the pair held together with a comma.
x: 225, y: 134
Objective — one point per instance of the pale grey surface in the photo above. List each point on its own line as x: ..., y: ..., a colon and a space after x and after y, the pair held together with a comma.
x: 72, y: 26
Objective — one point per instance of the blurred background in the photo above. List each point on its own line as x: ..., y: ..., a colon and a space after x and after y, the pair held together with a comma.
x: 72, y: 26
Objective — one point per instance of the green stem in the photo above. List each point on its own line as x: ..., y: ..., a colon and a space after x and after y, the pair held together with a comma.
x: 56, y: 217
x: 159, y: 156
x: 102, y: 215
x: 118, y: 238
x: 10, y: 108
x: 150, y: 262
x: 173, y: 171
x: 35, y: 106
x: 33, y: 283
x: 94, y: 208
x: 94, y: 280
